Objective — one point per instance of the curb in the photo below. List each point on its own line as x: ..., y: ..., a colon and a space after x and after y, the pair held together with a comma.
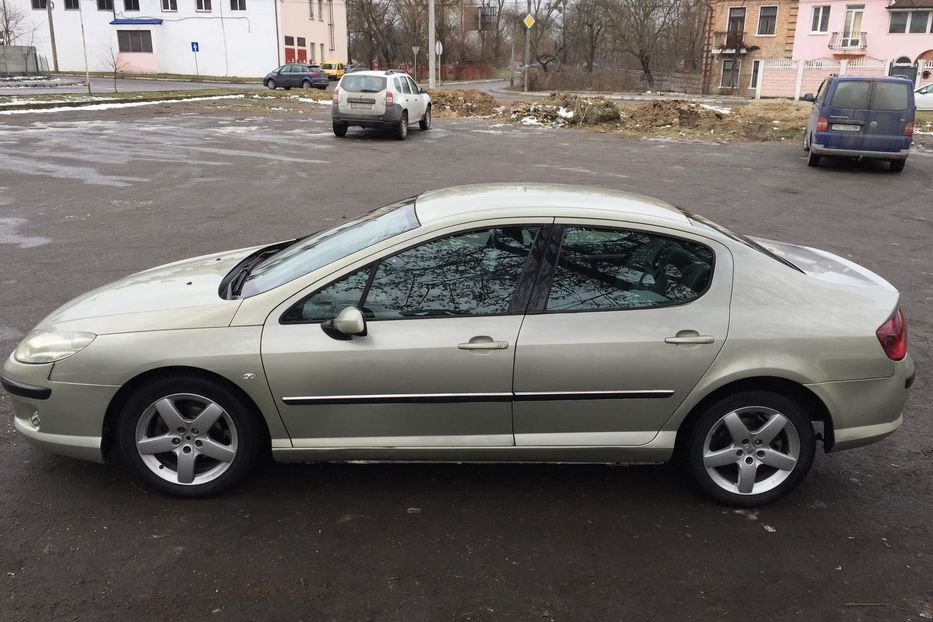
x: 96, y: 102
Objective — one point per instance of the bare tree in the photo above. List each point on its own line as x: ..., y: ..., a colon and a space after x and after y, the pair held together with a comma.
x: 13, y: 24
x: 113, y: 61
x: 643, y: 25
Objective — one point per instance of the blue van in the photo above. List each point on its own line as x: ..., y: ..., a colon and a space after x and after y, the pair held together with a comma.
x: 855, y: 117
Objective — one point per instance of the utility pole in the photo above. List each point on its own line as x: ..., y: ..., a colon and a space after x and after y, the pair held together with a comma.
x: 527, y: 48
x: 431, y: 37
x: 48, y: 8
x: 87, y: 73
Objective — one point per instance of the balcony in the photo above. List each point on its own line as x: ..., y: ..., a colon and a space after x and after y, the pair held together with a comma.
x: 848, y: 42
x: 730, y: 42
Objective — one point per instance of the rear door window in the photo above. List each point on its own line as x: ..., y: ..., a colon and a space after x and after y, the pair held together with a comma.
x: 851, y: 94
x: 890, y: 96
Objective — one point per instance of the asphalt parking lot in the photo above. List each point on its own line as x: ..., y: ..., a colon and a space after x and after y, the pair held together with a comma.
x: 88, y: 197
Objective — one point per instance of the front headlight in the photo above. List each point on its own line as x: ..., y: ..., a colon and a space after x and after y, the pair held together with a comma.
x: 42, y: 346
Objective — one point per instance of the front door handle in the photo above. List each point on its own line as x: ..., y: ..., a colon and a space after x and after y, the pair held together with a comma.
x: 483, y: 343
x: 689, y: 337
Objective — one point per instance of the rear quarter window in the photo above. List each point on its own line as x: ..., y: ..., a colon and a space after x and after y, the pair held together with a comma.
x: 890, y: 96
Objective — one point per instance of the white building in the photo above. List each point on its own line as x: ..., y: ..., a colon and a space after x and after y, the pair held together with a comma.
x: 232, y: 37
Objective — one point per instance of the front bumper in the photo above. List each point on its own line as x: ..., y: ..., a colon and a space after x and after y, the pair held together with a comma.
x: 70, y: 415
x: 392, y: 116
x: 866, y: 411
x: 822, y: 150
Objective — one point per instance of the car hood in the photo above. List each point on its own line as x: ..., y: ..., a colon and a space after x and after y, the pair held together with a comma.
x: 178, y: 295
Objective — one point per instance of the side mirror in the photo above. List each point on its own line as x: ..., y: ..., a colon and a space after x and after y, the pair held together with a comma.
x: 349, y: 323
x: 808, y: 98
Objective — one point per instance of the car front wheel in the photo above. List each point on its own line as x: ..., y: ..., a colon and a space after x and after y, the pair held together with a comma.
x: 188, y: 436
x: 270, y: 83
x: 425, y: 123
x: 750, y: 448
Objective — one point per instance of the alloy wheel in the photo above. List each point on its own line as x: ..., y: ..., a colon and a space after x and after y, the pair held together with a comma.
x: 186, y: 439
x: 751, y: 450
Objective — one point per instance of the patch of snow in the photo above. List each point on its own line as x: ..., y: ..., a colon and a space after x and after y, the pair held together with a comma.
x: 530, y: 121
x: 719, y: 109
x: 117, y: 105
x: 19, y: 101
x: 322, y: 102
x: 563, y: 113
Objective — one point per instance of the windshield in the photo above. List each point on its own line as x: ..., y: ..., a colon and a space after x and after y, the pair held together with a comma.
x: 703, y: 223
x: 316, y: 251
x: 363, y: 84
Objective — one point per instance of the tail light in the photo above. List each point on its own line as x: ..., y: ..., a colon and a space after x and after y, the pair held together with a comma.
x: 390, y: 98
x: 893, y: 336
x: 909, y: 129
x: 822, y: 124
x: 337, y: 95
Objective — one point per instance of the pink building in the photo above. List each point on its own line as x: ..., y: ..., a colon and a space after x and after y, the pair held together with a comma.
x: 895, y: 31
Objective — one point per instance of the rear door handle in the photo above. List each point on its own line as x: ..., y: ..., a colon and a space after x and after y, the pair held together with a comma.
x: 483, y: 343
x: 690, y: 339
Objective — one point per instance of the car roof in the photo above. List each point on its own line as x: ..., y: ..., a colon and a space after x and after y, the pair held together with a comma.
x: 526, y: 198
x: 867, y: 79
x: 380, y: 73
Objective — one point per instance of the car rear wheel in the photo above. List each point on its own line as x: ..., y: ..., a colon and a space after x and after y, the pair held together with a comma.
x: 340, y: 129
x: 306, y: 84
x: 898, y: 165
x: 806, y: 140
x: 401, y: 128
x: 188, y: 437
x: 270, y: 83
x: 750, y: 448
x: 813, y: 159
x: 425, y: 123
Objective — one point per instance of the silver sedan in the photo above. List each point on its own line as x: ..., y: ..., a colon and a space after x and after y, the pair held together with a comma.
x: 481, y: 323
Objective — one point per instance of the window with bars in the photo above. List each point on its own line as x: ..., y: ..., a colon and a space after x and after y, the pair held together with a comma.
x: 135, y: 41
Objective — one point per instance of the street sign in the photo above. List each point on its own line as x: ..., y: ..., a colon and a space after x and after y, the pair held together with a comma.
x: 438, y: 47
x: 194, y: 46
x: 529, y: 21
x: 415, y: 49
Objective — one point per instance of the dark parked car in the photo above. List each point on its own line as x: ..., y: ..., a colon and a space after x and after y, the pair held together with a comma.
x: 856, y: 117
x: 304, y: 76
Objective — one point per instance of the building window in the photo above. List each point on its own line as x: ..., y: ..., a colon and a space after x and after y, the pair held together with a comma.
x: 237, y: 5
x: 71, y: 5
x: 322, y: 52
x: 169, y: 5
x: 289, y: 40
x: 320, y: 11
x: 301, y: 42
x: 39, y: 5
x: 136, y: 41
x: 767, y: 20
x: 310, y: 9
x: 129, y: 5
x: 203, y: 5
x: 918, y: 21
x: 730, y: 73
x: 819, y: 22
x: 899, y: 22
x: 105, y: 5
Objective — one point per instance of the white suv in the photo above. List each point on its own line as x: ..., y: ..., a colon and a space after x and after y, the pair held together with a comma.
x: 388, y: 99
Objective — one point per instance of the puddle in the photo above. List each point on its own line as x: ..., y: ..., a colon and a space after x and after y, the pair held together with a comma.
x: 9, y: 234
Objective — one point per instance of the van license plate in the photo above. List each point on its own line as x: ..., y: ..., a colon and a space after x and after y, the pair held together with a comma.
x: 842, y: 127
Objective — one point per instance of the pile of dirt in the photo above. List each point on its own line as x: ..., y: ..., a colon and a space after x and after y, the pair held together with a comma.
x: 673, y: 113
x: 771, y: 120
x: 463, y: 103
x: 566, y: 110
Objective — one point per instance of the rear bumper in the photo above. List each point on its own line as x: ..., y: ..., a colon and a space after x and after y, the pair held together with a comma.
x: 823, y: 150
x: 866, y: 411
x: 393, y: 115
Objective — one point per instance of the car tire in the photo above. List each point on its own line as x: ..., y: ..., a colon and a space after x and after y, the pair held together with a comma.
x: 340, y: 129
x: 813, y: 159
x: 806, y: 140
x: 306, y: 84
x: 770, y: 459
x: 160, y: 441
x: 270, y: 84
x: 425, y: 122
x: 898, y: 165
x: 401, y: 128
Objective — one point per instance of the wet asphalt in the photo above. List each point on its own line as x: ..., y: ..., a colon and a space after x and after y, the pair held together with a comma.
x: 88, y: 197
